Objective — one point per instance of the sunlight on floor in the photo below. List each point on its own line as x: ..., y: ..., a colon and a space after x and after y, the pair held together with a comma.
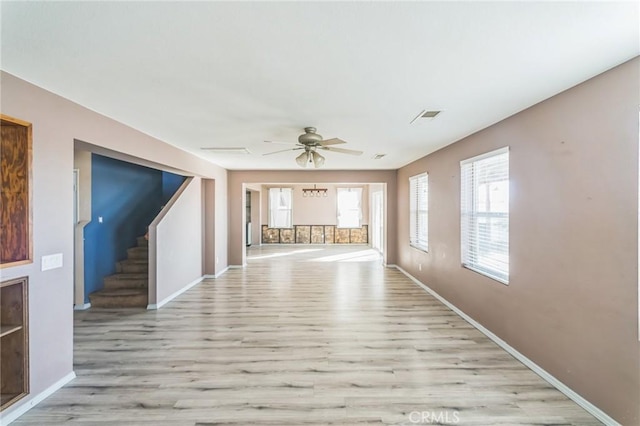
x: 288, y: 253
x: 324, y: 254
x: 358, y: 256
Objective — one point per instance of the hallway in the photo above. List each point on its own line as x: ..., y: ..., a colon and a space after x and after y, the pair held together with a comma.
x: 303, y: 335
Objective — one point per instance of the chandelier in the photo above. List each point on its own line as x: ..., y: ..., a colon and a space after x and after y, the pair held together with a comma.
x: 314, y: 192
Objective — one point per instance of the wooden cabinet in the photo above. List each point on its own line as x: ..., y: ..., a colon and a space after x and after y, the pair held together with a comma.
x: 14, y: 343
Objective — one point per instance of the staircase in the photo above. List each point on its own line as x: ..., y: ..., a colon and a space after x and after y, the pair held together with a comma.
x: 128, y: 288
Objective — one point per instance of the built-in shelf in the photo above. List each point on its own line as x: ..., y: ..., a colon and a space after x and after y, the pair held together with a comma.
x: 14, y: 341
x: 8, y: 329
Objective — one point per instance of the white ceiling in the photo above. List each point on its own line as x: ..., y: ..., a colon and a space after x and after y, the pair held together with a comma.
x: 234, y: 74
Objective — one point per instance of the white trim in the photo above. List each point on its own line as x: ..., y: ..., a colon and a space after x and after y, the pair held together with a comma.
x: 414, y: 211
x: 221, y: 272
x: 82, y: 307
x: 154, y: 306
x: 213, y: 276
x: 7, y: 418
x: 592, y: 409
x: 236, y: 266
x: 485, y: 155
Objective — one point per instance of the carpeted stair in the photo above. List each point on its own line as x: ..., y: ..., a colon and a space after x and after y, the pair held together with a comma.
x: 128, y: 288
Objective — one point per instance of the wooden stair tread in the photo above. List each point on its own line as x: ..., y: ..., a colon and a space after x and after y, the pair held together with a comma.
x: 128, y: 287
x: 121, y: 292
x: 127, y: 276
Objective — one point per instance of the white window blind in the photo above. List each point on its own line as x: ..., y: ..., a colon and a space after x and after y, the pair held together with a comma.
x: 280, y: 207
x: 485, y: 214
x: 419, y: 211
x: 349, y: 207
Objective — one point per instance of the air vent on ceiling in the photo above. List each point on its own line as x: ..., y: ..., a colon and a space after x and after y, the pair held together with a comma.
x: 426, y: 114
x: 226, y: 150
x: 378, y: 156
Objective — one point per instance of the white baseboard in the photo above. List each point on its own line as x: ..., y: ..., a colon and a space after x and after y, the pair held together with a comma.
x: 12, y: 414
x: 209, y: 276
x: 236, y: 266
x: 154, y: 306
x: 221, y: 272
x: 82, y: 307
x: 570, y: 393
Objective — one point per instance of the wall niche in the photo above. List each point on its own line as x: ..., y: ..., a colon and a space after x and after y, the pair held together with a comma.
x: 15, y: 197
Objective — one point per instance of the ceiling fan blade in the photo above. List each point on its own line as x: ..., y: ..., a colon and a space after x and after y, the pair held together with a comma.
x: 334, y: 141
x: 283, y: 150
x: 341, y: 150
x: 284, y: 143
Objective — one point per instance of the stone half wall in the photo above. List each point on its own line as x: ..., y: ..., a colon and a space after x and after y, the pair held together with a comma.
x: 315, y: 234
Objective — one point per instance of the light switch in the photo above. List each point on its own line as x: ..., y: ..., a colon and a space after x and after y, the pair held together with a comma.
x: 99, y: 219
x: 51, y: 261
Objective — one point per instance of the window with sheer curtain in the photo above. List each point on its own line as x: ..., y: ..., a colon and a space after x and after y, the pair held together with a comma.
x: 485, y: 214
x: 349, y: 207
x: 280, y: 207
x: 419, y: 211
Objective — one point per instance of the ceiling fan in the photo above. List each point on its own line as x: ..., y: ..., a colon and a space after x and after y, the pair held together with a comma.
x: 311, y: 142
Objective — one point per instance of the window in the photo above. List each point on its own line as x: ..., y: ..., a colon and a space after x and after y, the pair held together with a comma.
x: 485, y: 214
x: 349, y: 207
x: 280, y: 202
x: 419, y: 211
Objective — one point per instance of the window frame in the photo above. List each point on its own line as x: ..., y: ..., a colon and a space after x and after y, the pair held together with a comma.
x: 415, y: 213
x: 271, y: 218
x: 359, y: 209
x: 471, y: 218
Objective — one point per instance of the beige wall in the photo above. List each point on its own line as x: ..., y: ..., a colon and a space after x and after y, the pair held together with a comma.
x: 57, y: 122
x: 256, y: 213
x: 208, y: 226
x: 571, y: 304
x: 239, y: 180
x: 314, y: 210
x: 176, y: 235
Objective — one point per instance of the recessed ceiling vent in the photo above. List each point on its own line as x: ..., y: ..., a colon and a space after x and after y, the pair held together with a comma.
x: 378, y: 156
x: 426, y: 114
x: 226, y: 150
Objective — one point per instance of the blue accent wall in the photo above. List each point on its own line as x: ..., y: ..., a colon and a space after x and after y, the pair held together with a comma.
x: 127, y: 197
x: 170, y: 184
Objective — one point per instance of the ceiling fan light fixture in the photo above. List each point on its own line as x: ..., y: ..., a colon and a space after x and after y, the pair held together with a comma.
x: 302, y: 159
x: 311, y: 142
x: 318, y: 160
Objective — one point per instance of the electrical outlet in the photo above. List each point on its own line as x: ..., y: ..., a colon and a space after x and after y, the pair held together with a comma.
x: 51, y: 261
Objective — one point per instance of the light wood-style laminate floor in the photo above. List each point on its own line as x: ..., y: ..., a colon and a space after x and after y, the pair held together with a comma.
x: 305, y: 335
